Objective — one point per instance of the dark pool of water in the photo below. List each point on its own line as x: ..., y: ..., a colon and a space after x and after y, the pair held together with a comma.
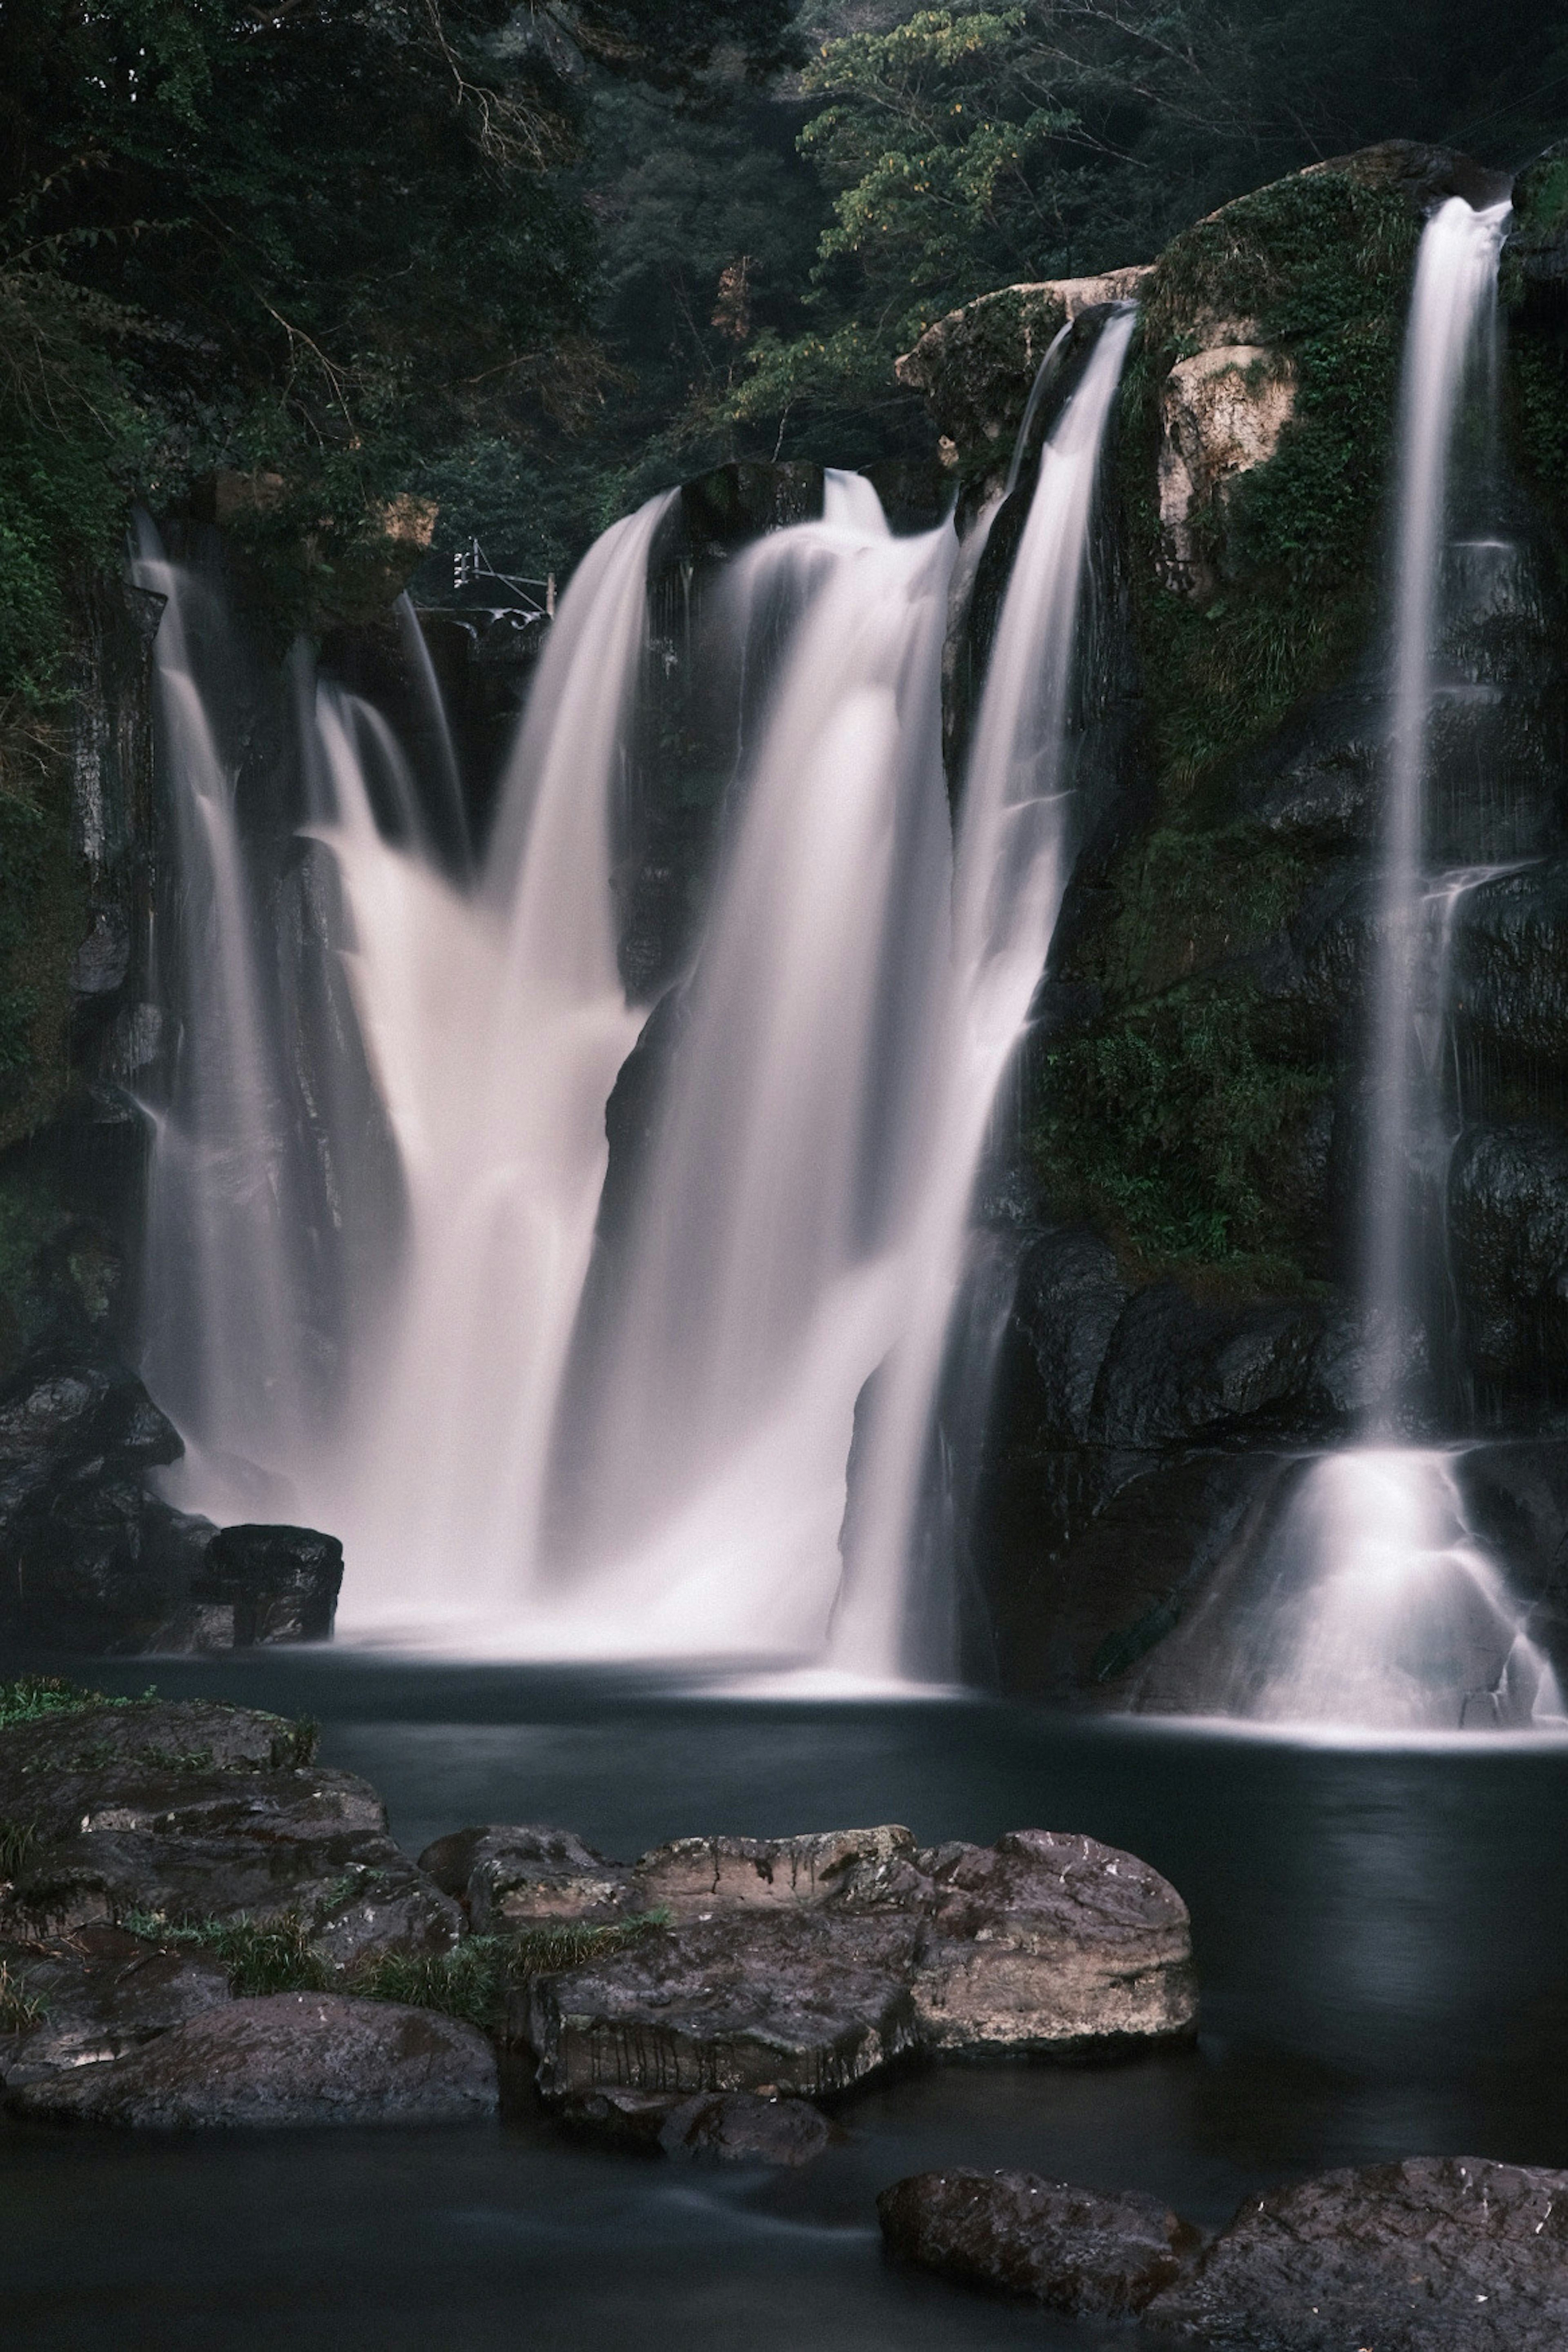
x: 1382, y: 1938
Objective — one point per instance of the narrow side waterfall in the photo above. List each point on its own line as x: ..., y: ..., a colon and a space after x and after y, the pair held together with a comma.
x: 766, y: 1272
x: 1012, y: 866
x: 1381, y: 1606
x: 228, y: 1345
x: 1450, y: 342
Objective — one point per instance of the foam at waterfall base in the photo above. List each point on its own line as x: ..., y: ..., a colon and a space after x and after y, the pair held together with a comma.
x: 1376, y: 1607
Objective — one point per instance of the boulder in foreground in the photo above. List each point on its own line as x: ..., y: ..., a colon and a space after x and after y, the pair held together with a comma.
x: 285, y: 2059
x: 1071, y: 2249
x: 1434, y: 2254
x: 780, y: 2000
x: 731, y: 2127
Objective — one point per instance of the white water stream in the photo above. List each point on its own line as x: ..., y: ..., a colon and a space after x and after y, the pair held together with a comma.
x: 803, y: 1215
x: 1392, y: 1613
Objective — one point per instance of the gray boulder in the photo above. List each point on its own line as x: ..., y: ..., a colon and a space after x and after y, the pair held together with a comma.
x: 198, y: 1812
x: 1049, y: 1945
x: 728, y: 2126
x: 285, y: 2059
x: 692, y: 1878
x: 1071, y: 2249
x: 99, y: 1993
x: 1434, y: 2254
x: 511, y: 1878
x: 774, y: 2001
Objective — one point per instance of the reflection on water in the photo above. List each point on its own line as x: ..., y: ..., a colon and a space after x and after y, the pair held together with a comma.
x: 1382, y: 1938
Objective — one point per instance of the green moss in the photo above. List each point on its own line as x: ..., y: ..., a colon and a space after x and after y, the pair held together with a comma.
x: 1165, y: 1122
x: 36, y: 1699
x: 1317, y: 267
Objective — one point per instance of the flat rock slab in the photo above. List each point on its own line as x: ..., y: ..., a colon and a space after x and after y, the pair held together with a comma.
x: 1051, y: 1945
x: 1434, y: 2254
x: 42, y: 1762
x: 100, y: 1993
x: 286, y: 2059
x: 1071, y: 2249
x: 694, y: 1878
x: 787, y: 2000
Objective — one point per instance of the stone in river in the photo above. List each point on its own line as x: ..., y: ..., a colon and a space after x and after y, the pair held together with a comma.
x: 1050, y: 1944
x: 285, y: 2059
x: 695, y: 1878
x: 1072, y: 2249
x: 506, y: 1878
x: 200, y: 1811
x: 100, y: 1992
x: 1433, y: 2255
x: 786, y: 2000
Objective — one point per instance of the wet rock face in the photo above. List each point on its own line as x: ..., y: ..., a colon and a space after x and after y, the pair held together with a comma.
x: 800, y: 1964
x: 198, y: 1813
x: 1094, y: 2256
x: 94, y: 1563
x: 1508, y: 1239
x: 1431, y: 2256
x: 284, y: 2058
x: 977, y: 366
x: 1222, y: 412
x: 100, y: 1992
x: 1048, y: 1943
x: 788, y: 2002
x: 511, y: 1878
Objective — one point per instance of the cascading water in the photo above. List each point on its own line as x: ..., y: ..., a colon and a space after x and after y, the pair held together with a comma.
x: 1012, y: 867
x: 1390, y: 1612
x: 764, y: 1276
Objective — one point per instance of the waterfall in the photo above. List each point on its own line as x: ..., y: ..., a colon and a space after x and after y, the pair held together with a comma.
x: 496, y: 1022
x: 1012, y: 867
x: 1449, y: 339
x: 766, y: 1271
x: 228, y: 1343
x: 1383, y: 1607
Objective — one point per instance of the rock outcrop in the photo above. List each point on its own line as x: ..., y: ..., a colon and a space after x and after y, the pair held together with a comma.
x: 287, y: 2058
x: 198, y: 1812
x: 1433, y: 2255
x: 1070, y: 2249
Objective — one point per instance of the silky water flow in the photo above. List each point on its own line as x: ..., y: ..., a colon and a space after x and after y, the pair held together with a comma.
x: 1377, y: 1605
x: 801, y: 1221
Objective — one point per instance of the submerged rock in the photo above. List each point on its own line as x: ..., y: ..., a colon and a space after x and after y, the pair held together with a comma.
x: 284, y: 2058
x: 1072, y: 2249
x: 1434, y: 2254
x: 729, y: 2126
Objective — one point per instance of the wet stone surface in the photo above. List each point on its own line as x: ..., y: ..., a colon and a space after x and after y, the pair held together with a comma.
x: 1070, y: 2249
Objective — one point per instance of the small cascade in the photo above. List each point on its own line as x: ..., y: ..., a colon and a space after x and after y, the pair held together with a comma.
x: 766, y: 1271
x: 1013, y: 862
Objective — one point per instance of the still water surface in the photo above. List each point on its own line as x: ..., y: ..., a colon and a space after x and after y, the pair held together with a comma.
x: 1382, y: 1938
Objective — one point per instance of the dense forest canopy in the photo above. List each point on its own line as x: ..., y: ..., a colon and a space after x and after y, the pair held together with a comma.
x: 531, y: 261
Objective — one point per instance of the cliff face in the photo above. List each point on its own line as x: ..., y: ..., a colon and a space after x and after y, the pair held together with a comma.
x: 1196, y: 1116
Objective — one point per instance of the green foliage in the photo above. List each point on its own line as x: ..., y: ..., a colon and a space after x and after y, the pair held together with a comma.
x: 36, y: 1698
x: 20, y: 2010
x: 18, y: 1840
x: 1167, y: 1120
x: 472, y: 1983
x: 261, y: 1956
x: 1317, y: 268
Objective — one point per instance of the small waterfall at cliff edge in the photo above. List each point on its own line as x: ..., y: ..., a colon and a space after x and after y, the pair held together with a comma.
x: 1388, y: 1612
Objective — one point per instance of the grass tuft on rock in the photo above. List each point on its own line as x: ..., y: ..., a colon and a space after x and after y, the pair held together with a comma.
x: 261, y: 1956
x: 18, y: 1840
x: 19, y: 2009
x: 36, y: 1699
